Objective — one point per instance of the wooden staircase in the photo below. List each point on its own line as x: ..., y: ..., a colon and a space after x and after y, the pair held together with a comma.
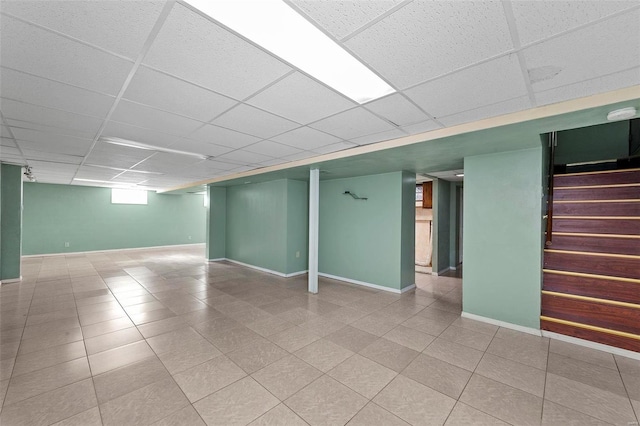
x: 591, y: 275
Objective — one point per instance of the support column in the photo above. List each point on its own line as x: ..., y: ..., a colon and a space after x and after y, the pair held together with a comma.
x: 217, y: 223
x: 11, y: 222
x: 314, y: 208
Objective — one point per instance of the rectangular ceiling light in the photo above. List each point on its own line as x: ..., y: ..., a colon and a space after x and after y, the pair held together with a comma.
x: 278, y: 28
x: 140, y: 145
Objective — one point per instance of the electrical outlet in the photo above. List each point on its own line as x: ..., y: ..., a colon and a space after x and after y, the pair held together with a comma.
x: 297, y: 254
x: 66, y: 244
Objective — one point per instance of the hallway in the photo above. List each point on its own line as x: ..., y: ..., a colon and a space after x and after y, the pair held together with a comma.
x: 159, y: 336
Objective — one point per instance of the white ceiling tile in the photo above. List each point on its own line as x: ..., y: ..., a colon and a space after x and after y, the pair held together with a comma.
x: 274, y: 162
x: 590, y: 87
x: 135, y: 178
x: 119, y: 26
x: 50, y: 129
x: 173, y: 95
x: 425, y: 126
x: 9, y: 152
x: 352, y: 124
x: 167, y: 163
x: 300, y: 156
x: 49, y: 120
x: 484, y: 84
x: 150, y: 118
x: 272, y: 149
x: 397, y: 109
x: 31, y: 49
x: 46, y: 142
x: 306, y: 138
x: 499, y: 108
x: 598, y: 50
x: 138, y: 134
x: 334, y: 147
x: 537, y: 20
x: 242, y: 157
x: 34, y: 90
x: 224, y: 137
x: 379, y: 137
x: 426, y: 39
x: 96, y: 173
x: 197, y: 147
x: 7, y: 141
x: 341, y: 18
x: 53, y: 159
x: 4, y: 130
x: 300, y: 99
x: 253, y: 121
x: 194, y: 48
x: 104, y: 154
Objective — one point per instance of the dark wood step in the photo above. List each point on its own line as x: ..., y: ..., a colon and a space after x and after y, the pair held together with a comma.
x: 600, y: 208
x: 610, y: 289
x: 605, y: 315
x: 597, y: 226
x: 592, y: 335
x: 604, y: 193
x: 596, y: 244
x: 589, y: 264
x: 598, y: 178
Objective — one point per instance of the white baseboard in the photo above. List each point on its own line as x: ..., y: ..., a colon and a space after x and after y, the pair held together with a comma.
x: 258, y: 268
x: 592, y: 345
x: 219, y: 259
x: 109, y: 250
x: 12, y: 280
x: 366, y: 284
x: 503, y: 324
x: 442, y: 271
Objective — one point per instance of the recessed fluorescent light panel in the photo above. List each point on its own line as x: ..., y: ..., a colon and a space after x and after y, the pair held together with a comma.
x: 140, y: 145
x: 278, y: 28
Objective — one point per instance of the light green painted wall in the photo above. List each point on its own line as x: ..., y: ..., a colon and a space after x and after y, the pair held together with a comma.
x: 501, y: 241
x: 603, y: 142
x: 85, y: 217
x: 408, y: 233
x: 266, y: 225
x: 10, y: 221
x: 361, y: 240
x: 442, y: 225
x: 297, y: 226
x: 216, y: 223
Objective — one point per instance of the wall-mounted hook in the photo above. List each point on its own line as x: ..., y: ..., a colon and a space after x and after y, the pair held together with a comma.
x: 355, y: 197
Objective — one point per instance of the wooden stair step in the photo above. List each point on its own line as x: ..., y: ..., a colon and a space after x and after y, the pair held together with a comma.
x: 593, y: 263
x: 609, y: 177
x: 608, y: 192
x: 593, y: 334
x: 597, y: 208
x: 596, y: 225
x: 619, y: 316
x: 591, y: 285
x: 598, y: 243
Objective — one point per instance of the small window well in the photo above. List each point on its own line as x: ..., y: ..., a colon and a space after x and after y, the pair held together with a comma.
x: 128, y: 196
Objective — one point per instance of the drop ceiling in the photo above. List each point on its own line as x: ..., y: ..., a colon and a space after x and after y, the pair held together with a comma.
x: 161, y: 73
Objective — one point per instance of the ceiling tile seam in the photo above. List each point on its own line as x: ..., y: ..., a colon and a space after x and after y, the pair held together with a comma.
x: 161, y: 110
x: 427, y: 113
x: 57, y: 81
x: 166, y: 9
x: 45, y: 125
x: 484, y: 106
x: 49, y: 108
x: 12, y: 137
x: 581, y: 27
x: 67, y: 36
x: 266, y: 155
x: 515, y: 40
x: 375, y: 21
x: 589, y: 79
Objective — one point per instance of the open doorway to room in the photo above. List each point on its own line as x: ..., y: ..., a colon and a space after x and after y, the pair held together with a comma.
x: 424, y: 224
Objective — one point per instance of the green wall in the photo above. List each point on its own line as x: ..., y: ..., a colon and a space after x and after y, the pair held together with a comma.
x: 85, y: 217
x: 594, y: 143
x: 501, y: 241
x: 216, y: 223
x: 267, y: 225
x: 408, y: 231
x: 366, y: 240
x: 10, y: 221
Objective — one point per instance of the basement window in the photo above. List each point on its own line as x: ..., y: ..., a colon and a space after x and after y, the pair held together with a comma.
x: 128, y: 196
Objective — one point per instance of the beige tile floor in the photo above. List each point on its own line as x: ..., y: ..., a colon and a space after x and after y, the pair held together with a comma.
x: 161, y: 337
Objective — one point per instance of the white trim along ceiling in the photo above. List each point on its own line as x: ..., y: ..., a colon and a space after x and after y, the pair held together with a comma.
x: 168, y: 80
